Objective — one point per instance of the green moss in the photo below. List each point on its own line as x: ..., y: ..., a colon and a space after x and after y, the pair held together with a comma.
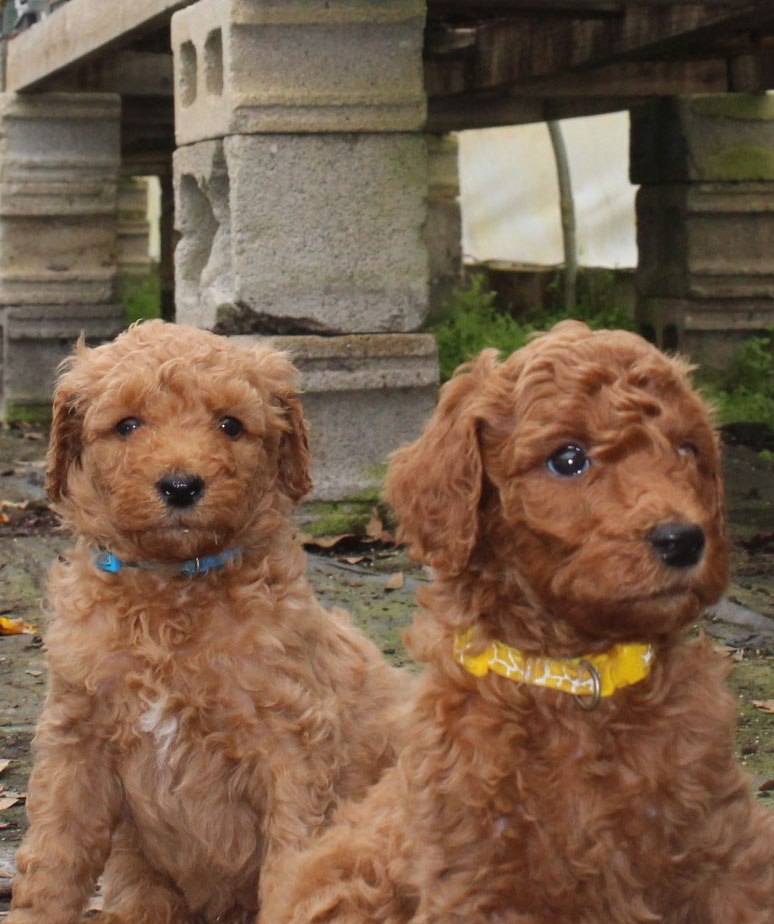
x: 336, y: 518
x: 743, y: 162
x: 28, y: 413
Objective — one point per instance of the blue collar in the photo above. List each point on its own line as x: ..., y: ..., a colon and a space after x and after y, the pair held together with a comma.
x: 107, y: 561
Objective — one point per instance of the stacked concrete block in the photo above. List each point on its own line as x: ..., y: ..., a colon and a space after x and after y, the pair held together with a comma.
x: 247, y: 67
x: 133, y: 230
x: 705, y: 221
x: 301, y: 194
x: 59, y: 162
x: 393, y: 376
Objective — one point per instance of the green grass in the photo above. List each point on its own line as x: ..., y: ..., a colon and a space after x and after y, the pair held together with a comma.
x: 142, y: 299
x: 745, y: 391
x: 472, y: 321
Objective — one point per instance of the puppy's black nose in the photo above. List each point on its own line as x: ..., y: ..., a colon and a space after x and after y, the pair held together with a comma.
x: 180, y: 490
x: 679, y: 545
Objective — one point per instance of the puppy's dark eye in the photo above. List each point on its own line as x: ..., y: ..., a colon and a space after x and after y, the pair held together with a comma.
x: 568, y: 461
x: 127, y: 425
x: 231, y: 426
x: 688, y: 449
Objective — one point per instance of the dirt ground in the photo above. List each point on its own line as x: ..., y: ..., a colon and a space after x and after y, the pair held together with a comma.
x: 376, y: 583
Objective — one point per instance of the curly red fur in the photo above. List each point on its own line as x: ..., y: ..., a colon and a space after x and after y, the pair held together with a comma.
x: 193, y: 726
x: 510, y: 803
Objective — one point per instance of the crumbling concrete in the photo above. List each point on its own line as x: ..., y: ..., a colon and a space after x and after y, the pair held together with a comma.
x: 302, y: 185
x: 303, y: 233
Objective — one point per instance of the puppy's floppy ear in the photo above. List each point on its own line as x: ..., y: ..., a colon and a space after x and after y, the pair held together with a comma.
x: 294, y: 457
x: 434, y: 485
x: 64, y: 447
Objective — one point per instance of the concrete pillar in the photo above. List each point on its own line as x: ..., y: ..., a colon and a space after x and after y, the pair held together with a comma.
x: 705, y: 221
x: 301, y: 182
x: 133, y: 231
x: 443, y: 229
x: 59, y: 164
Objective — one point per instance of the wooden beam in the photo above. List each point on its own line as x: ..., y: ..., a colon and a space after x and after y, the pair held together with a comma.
x: 510, y: 52
x: 455, y: 114
x: 128, y: 73
x: 77, y: 30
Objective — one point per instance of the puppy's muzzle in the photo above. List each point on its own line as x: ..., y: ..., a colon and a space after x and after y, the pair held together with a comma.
x: 180, y: 490
x: 678, y: 545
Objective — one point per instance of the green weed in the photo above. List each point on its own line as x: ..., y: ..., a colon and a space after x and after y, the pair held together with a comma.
x: 142, y: 299
x: 472, y: 321
x: 744, y: 392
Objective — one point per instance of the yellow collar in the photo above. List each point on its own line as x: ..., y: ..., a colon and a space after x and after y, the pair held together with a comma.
x: 592, y: 676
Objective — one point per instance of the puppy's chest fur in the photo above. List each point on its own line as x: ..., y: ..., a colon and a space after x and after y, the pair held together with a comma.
x: 186, y: 698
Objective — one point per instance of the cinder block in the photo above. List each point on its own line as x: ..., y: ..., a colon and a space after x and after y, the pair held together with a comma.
x: 707, y: 329
x: 59, y: 154
x: 363, y: 397
x: 59, y: 166
x: 59, y: 162
x: 35, y: 340
x: 713, y: 137
x: 133, y: 230
x: 303, y: 233
x: 246, y: 66
x: 706, y: 240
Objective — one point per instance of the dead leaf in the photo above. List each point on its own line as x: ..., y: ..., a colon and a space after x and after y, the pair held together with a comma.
x: 7, y: 802
x: 765, y: 705
x: 33, y: 436
x: 4, y: 762
x: 354, y: 561
x: 767, y: 786
x: 375, y: 528
x: 395, y: 581
x: 16, y: 627
x: 34, y: 673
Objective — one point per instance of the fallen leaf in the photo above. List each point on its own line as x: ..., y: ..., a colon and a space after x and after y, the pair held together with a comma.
x: 34, y: 673
x: 7, y: 802
x: 395, y: 581
x: 354, y: 561
x: 16, y: 627
x: 768, y: 786
x: 375, y: 529
x: 33, y: 436
x: 765, y: 705
x: 4, y: 762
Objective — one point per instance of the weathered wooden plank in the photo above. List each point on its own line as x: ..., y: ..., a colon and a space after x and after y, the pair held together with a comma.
x: 77, y: 30
x: 511, y: 52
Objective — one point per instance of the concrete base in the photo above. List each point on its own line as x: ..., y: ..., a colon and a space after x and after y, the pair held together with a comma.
x: 708, y: 330
x: 363, y: 397
x: 35, y: 340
